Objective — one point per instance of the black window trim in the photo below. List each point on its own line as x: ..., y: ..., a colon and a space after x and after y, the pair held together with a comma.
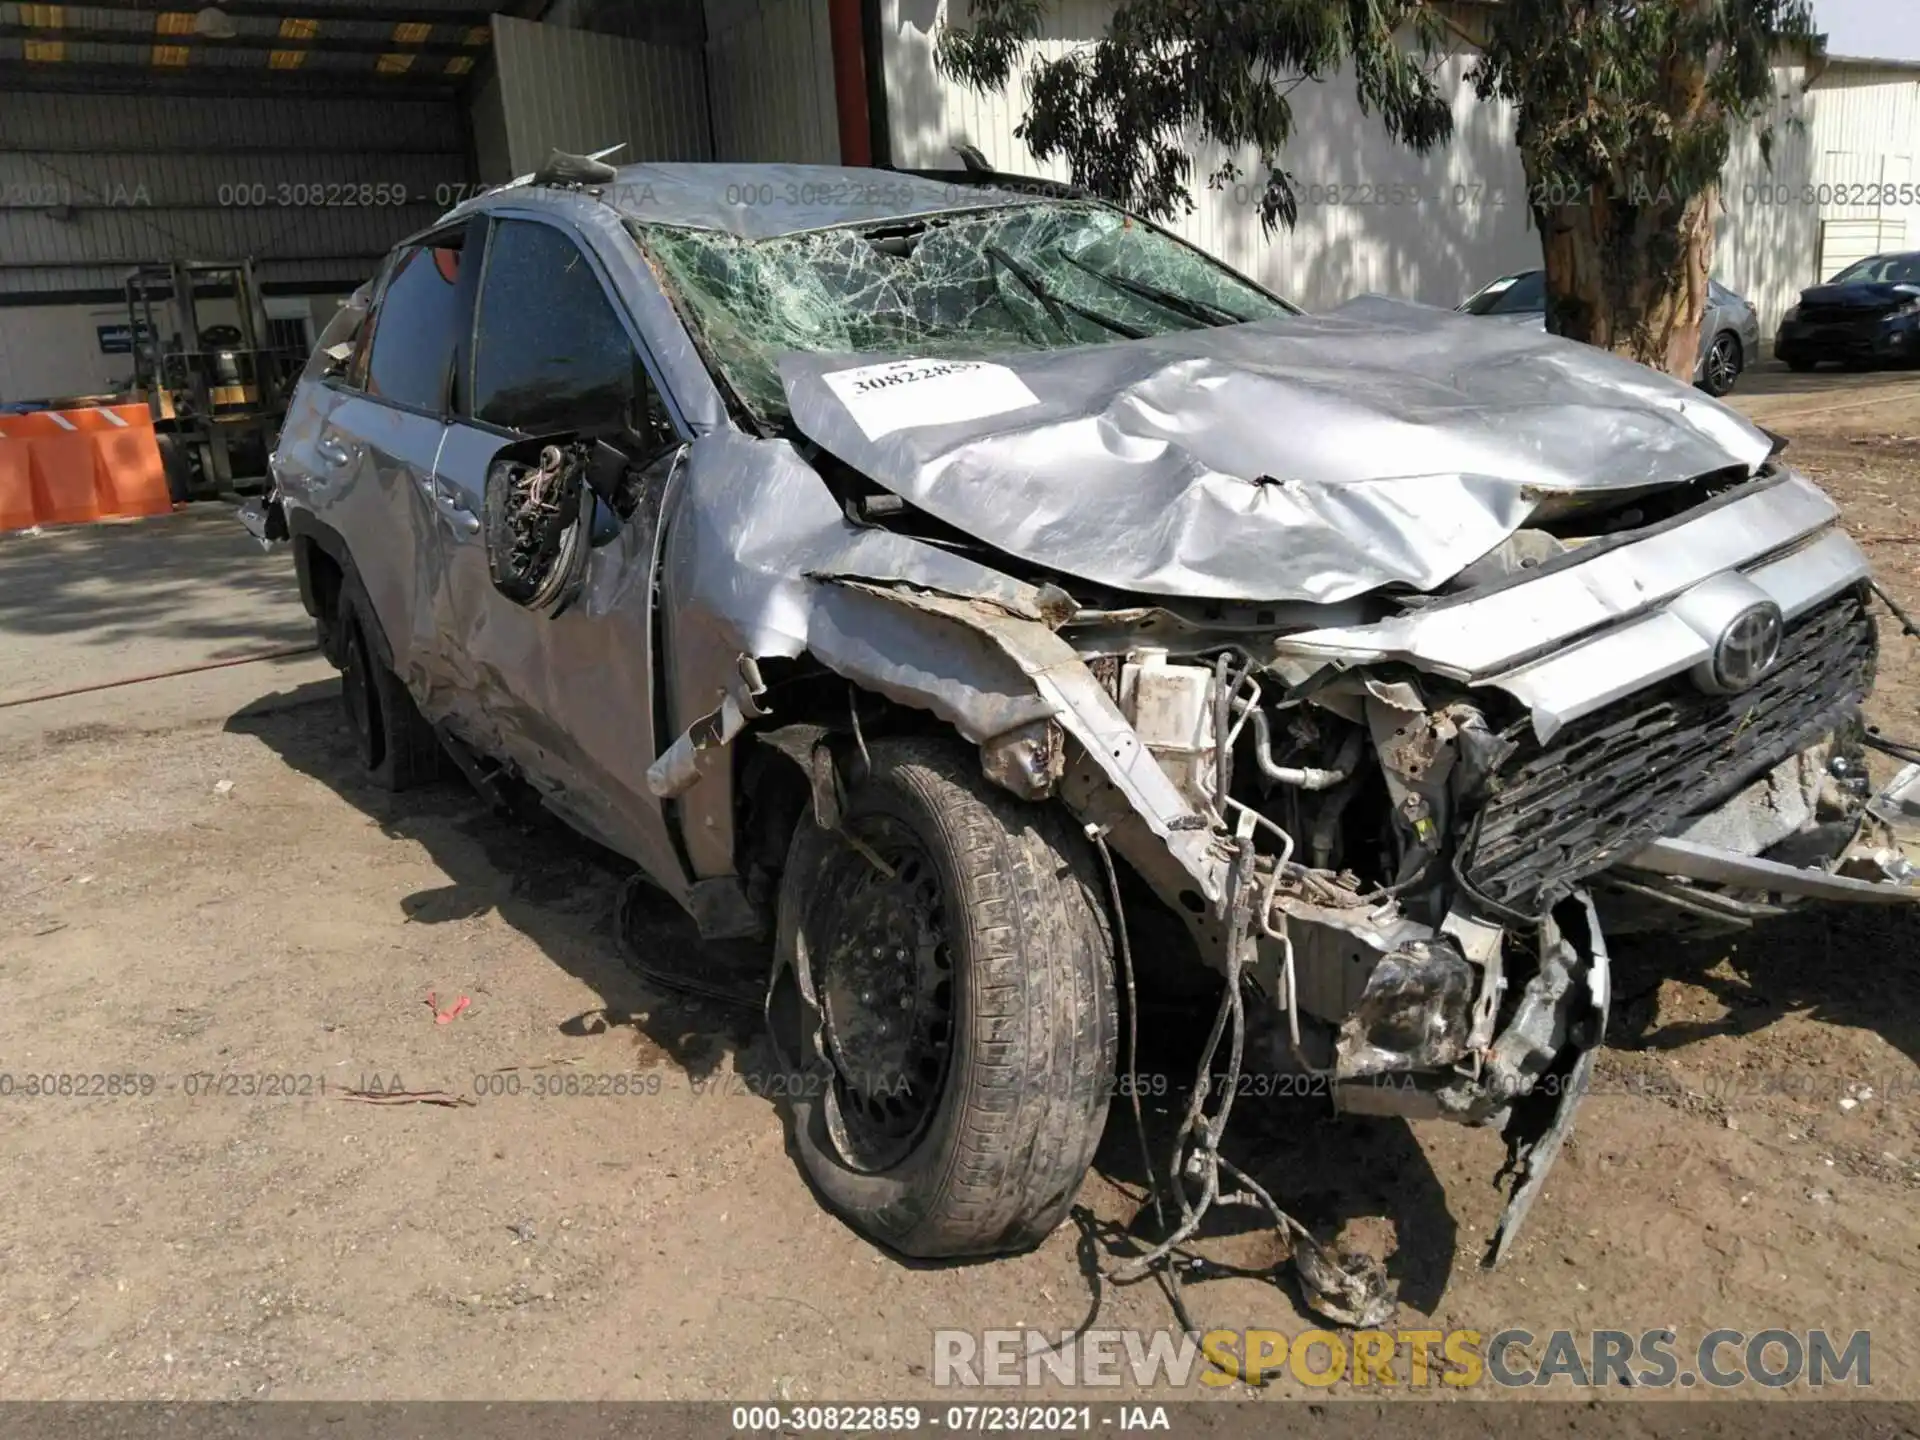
x: 372, y: 322
x: 337, y: 381
x: 681, y: 429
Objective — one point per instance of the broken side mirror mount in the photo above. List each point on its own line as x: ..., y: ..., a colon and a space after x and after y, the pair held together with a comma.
x: 539, y: 519
x: 337, y: 358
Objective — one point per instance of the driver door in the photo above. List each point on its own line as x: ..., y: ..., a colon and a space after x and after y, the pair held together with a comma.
x: 567, y: 698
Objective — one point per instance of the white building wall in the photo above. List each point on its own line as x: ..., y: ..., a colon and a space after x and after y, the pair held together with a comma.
x: 1376, y: 217
x: 54, y: 350
x: 1765, y: 232
x: 1865, y: 140
x: 580, y: 91
x: 1373, y: 215
x: 770, y: 77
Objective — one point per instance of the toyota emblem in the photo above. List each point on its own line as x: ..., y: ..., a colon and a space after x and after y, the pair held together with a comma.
x: 1748, y: 647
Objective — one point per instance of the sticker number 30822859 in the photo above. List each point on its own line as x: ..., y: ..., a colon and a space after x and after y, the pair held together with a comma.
x: 901, y: 394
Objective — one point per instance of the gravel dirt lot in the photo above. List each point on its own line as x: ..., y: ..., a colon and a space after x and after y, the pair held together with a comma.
x: 199, y: 892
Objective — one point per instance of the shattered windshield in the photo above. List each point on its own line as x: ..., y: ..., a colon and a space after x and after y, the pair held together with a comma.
x: 953, y: 286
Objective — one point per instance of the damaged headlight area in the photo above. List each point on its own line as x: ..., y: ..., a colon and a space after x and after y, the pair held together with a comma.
x: 1405, y: 880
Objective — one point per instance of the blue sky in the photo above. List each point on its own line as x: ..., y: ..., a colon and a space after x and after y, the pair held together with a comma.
x: 1883, y: 29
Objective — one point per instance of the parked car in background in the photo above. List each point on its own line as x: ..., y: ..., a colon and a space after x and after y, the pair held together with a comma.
x: 1729, y: 333
x: 1868, y: 314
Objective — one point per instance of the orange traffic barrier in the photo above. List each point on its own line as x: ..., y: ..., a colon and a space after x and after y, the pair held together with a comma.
x: 66, y: 467
x: 16, y: 486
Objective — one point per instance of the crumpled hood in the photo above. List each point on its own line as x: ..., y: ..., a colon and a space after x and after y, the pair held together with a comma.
x: 1311, y: 457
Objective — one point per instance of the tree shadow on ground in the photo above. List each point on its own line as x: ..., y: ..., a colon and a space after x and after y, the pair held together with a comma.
x: 194, y: 575
x: 555, y: 887
x: 1851, y: 966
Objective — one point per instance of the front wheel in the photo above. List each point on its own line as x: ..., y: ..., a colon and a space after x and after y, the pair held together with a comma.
x: 1723, y: 364
x: 944, y: 999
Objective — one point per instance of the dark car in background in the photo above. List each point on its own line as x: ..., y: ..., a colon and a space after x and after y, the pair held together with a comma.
x: 1868, y: 314
x: 1729, y: 332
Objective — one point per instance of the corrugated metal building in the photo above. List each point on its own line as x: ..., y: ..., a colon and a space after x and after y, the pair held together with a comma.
x: 311, y: 136
x: 306, y: 137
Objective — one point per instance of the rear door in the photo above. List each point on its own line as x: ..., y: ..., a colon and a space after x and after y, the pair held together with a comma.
x: 568, y: 698
x: 382, y: 438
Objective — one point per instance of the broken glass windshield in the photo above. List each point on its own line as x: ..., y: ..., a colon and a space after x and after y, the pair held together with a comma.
x: 955, y: 286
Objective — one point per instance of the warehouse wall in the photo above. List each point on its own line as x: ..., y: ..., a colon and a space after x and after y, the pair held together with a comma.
x: 1373, y: 215
x: 1864, y: 135
x: 1766, y: 238
x: 488, y: 116
x: 581, y: 91
x: 55, y: 351
x: 92, y: 184
x: 770, y: 69
x: 1468, y: 222
x: 316, y: 190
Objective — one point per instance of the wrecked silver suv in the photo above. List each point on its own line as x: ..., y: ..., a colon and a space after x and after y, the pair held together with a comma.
x: 956, y: 584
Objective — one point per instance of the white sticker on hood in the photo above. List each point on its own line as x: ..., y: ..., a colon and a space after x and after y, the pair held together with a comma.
x: 904, y: 393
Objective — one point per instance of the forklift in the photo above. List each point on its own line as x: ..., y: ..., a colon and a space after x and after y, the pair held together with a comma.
x: 217, y: 392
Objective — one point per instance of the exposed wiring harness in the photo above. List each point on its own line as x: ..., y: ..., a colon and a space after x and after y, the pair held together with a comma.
x: 1351, y: 1292
x: 1899, y: 749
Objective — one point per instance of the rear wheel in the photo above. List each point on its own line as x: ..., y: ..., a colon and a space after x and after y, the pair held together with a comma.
x: 398, y: 749
x: 944, y: 998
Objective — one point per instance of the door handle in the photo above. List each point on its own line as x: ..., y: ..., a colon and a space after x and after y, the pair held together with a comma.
x: 447, y: 501
x: 332, y: 451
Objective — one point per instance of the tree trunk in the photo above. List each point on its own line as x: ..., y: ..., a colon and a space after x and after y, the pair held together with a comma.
x: 1627, y: 262
x: 1628, y: 272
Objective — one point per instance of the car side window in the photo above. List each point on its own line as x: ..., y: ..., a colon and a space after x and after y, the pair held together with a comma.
x: 1529, y: 292
x: 418, y: 325
x: 550, y: 351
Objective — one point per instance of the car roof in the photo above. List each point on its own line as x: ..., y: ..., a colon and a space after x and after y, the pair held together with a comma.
x: 761, y: 202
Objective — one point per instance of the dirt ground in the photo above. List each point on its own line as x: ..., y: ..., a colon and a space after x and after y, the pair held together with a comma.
x: 202, y: 896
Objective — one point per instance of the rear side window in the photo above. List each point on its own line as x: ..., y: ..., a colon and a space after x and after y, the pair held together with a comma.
x: 550, y: 352
x: 419, y: 324
x: 1527, y: 292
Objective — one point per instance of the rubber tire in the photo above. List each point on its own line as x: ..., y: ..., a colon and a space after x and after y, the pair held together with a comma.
x: 1032, y: 1067
x: 398, y: 749
x: 175, y: 465
x: 1800, y: 364
x: 1739, y: 366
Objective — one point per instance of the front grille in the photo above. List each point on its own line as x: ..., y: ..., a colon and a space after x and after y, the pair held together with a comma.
x: 1609, y: 783
x: 1853, y: 316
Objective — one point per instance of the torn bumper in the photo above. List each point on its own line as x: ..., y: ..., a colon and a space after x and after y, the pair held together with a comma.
x: 1876, y: 866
